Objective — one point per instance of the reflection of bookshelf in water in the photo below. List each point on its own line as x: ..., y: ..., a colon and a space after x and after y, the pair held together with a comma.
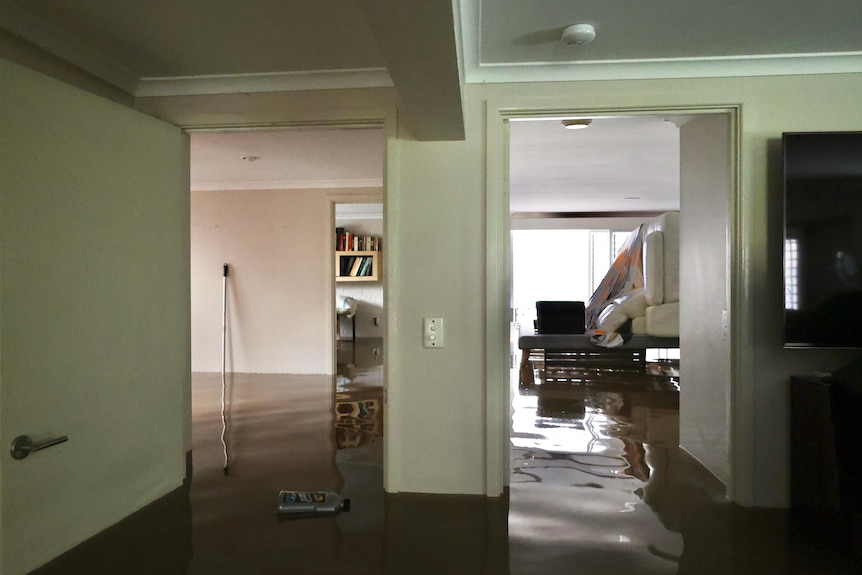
x: 357, y: 257
x: 357, y: 423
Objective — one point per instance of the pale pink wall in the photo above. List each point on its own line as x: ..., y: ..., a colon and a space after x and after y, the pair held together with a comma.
x: 277, y: 243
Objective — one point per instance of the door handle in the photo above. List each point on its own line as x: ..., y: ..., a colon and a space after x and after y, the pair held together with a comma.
x: 22, y: 446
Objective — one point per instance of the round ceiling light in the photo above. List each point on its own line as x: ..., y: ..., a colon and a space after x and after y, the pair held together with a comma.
x: 578, y: 34
x: 578, y: 124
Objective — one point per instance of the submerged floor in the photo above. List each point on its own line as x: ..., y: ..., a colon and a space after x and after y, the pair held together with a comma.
x: 598, y: 485
x: 594, y: 478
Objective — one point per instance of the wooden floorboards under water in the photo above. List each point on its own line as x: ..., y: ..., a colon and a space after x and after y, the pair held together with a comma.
x: 598, y: 485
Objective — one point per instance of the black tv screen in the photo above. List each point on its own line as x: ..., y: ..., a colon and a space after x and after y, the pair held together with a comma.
x: 823, y: 239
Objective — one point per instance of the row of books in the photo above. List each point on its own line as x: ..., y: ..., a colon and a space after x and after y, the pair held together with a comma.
x: 359, y: 266
x: 349, y: 242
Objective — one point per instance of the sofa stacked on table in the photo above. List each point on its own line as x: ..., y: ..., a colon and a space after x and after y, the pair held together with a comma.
x: 645, y: 317
x: 653, y: 309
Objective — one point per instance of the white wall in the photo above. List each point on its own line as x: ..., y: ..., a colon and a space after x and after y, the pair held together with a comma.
x: 436, y: 265
x: 94, y: 278
x: 760, y: 422
x: 368, y: 294
x: 278, y: 246
x: 705, y: 182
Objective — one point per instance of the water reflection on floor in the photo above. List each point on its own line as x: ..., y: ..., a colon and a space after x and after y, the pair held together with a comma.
x: 591, y: 467
x: 303, y: 433
x: 598, y: 486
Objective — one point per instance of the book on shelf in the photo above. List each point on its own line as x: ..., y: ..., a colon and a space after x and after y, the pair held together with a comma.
x: 346, y: 264
x: 365, y: 269
x: 348, y: 242
x: 354, y: 270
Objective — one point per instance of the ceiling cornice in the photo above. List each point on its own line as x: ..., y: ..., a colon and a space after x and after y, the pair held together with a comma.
x: 30, y: 27
x: 224, y: 186
x: 772, y: 65
x: 430, y: 99
x: 274, y: 82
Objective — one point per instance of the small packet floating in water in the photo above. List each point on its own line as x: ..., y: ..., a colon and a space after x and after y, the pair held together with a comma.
x: 310, y: 503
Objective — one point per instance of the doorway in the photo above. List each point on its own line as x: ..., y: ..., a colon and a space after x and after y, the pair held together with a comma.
x: 598, y: 434
x: 262, y: 204
x: 360, y: 313
x: 265, y: 206
x: 707, y: 143
x: 359, y: 302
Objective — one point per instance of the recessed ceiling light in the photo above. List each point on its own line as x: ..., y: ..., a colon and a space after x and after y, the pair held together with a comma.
x: 577, y: 124
x: 251, y: 158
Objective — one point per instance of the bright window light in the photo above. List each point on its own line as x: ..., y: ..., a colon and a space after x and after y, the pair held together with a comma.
x: 562, y: 265
x: 791, y: 273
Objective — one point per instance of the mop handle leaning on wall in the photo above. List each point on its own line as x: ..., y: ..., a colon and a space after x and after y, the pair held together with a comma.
x: 224, y: 365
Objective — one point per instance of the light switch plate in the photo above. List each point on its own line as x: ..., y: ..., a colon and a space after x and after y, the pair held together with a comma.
x: 432, y: 330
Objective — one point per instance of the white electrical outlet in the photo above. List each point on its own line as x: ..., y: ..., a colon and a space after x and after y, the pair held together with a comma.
x: 433, y: 332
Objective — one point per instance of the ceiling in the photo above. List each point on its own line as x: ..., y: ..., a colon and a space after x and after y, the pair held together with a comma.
x: 287, y: 159
x: 168, y: 47
x: 663, y: 38
x: 427, y: 51
x: 619, y: 164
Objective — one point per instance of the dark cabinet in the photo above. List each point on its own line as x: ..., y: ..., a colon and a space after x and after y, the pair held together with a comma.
x: 826, y: 453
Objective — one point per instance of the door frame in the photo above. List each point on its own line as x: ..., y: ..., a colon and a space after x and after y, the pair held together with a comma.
x: 498, y: 290
x: 385, y: 119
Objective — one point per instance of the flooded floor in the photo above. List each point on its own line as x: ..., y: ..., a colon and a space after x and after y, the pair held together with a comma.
x: 599, y: 461
x: 598, y: 485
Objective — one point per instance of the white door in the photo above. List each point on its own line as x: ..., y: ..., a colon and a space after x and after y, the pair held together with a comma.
x: 94, y: 313
x: 706, y: 190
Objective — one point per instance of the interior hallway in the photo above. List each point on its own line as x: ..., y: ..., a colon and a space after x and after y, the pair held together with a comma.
x: 598, y: 486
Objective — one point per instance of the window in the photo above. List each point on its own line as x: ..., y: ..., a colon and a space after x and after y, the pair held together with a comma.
x: 604, y: 247
x: 791, y: 273
x: 558, y: 265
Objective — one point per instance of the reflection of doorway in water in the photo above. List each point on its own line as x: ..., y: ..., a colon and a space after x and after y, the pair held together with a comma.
x: 602, y: 465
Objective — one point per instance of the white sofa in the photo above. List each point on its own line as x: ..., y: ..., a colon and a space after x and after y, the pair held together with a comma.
x: 653, y: 309
x: 661, y: 278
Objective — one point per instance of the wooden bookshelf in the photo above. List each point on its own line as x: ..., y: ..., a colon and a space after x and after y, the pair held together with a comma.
x: 358, y: 266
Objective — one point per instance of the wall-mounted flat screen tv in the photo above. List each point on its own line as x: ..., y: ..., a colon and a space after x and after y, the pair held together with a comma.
x: 822, y: 239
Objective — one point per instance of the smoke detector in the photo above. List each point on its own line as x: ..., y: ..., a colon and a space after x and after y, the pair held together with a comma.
x: 578, y: 34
